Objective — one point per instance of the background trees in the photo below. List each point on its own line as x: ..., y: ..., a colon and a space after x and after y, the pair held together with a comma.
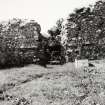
x: 85, y: 26
x: 83, y: 29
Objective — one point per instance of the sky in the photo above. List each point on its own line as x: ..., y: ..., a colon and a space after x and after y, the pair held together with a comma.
x: 45, y: 12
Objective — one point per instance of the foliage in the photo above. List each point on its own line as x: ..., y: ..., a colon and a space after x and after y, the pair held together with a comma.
x: 15, y: 35
x: 55, y: 30
x: 85, y: 27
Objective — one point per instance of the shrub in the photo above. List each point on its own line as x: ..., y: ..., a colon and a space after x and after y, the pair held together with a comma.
x: 16, y: 35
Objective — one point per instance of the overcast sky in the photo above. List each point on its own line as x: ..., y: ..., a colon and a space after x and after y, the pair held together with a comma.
x: 45, y: 12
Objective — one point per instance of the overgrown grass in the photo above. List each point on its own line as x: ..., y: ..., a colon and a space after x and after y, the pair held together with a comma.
x: 57, y: 86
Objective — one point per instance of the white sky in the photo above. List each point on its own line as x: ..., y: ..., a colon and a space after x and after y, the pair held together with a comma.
x: 45, y: 12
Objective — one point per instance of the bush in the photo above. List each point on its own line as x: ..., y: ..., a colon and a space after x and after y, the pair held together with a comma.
x: 16, y: 35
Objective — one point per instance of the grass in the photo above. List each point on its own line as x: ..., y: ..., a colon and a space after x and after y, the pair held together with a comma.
x: 56, y: 85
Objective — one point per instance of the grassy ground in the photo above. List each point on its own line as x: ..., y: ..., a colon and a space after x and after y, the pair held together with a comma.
x: 55, y: 85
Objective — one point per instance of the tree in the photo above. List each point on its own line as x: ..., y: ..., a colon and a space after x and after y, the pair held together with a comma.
x: 85, y: 26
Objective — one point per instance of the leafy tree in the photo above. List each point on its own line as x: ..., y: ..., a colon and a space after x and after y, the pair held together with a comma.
x: 85, y: 26
x: 56, y: 30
